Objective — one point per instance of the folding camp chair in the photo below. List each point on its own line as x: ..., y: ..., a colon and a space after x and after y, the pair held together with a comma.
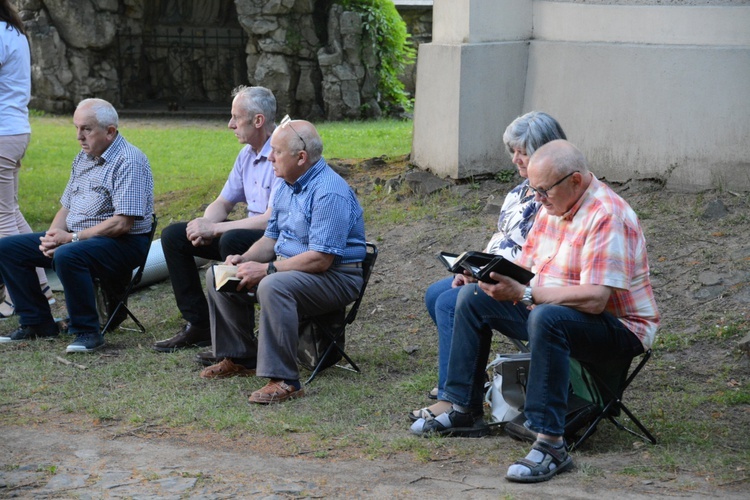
x: 116, y: 316
x: 611, y: 380
x: 335, y: 331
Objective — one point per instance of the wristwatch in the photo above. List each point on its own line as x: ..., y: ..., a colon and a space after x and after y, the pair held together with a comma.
x: 527, y: 298
x: 75, y: 238
x: 271, y: 268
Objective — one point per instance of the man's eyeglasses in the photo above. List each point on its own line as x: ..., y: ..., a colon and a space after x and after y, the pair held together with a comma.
x: 545, y: 192
x: 288, y: 121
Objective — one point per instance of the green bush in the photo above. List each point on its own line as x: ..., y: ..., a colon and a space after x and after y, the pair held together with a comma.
x: 387, y: 30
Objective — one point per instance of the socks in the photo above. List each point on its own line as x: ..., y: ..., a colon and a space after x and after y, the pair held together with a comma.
x: 535, y: 456
x: 294, y: 383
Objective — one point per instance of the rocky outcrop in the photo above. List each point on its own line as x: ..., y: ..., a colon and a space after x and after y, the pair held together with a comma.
x: 182, y: 52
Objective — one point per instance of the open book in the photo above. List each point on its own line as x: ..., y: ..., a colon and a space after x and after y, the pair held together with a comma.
x: 481, y: 264
x: 225, y: 278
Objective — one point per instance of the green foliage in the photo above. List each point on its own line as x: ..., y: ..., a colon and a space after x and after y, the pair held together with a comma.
x: 387, y: 30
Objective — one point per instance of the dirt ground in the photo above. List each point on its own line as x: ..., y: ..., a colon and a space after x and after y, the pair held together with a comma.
x: 699, y: 247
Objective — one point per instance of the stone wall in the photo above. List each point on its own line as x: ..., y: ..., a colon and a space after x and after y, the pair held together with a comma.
x: 181, y: 53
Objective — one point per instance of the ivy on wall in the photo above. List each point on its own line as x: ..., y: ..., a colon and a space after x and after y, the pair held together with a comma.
x: 387, y: 30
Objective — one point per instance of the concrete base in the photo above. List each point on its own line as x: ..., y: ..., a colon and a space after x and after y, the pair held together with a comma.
x: 675, y: 113
x: 646, y: 91
x: 466, y: 96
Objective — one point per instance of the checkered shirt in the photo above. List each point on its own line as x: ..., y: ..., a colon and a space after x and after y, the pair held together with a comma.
x: 318, y: 212
x: 599, y: 241
x: 117, y: 183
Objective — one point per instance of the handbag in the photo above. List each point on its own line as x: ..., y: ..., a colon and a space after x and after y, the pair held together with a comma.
x: 506, y: 393
x: 506, y: 390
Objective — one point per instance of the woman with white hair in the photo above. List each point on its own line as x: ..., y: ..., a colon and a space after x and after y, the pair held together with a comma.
x: 523, y: 136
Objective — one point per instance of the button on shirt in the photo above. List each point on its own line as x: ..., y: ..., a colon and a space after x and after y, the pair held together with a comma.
x: 117, y: 183
x: 599, y: 241
x: 252, y: 180
x: 318, y: 212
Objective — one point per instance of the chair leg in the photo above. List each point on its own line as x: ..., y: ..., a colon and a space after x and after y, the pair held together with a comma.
x: 121, y: 304
x: 329, y: 350
x: 646, y: 436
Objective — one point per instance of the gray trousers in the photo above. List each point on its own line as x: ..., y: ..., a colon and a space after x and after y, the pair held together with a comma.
x: 283, y: 298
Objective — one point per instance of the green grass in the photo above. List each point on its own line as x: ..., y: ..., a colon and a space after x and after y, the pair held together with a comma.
x: 189, y: 162
x: 698, y: 413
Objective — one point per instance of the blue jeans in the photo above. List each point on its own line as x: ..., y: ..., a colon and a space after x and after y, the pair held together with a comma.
x: 555, y: 334
x: 76, y: 264
x: 440, y: 299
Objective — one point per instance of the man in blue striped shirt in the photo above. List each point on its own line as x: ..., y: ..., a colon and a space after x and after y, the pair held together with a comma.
x: 308, y: 262
x: 101, y: 231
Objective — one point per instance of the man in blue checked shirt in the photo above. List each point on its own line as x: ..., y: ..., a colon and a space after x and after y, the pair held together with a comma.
x: 101, y: 231
x: 309, y: 261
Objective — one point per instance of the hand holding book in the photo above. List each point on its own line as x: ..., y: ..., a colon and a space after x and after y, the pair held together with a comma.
x: 481, y: 264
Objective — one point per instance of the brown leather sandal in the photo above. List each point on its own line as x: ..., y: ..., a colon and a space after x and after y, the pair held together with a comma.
x: 226, y: 368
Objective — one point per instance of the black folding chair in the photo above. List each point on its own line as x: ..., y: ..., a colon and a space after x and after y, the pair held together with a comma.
x: 335, y: 331
x: 611, y: 380
x: 117, y: 316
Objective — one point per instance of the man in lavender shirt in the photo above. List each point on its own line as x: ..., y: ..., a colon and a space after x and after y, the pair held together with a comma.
x: 212, y: 236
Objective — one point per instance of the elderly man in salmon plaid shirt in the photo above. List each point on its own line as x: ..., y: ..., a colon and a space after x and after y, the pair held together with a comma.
x: 591, y: 299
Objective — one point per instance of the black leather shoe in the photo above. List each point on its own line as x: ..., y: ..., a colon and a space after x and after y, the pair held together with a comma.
x: 189, y: 336
x: 30, y: 333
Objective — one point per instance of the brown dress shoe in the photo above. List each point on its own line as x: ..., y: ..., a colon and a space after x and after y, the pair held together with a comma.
x: 276, y: 391
x: 189, y: 336
x: 226, y: 368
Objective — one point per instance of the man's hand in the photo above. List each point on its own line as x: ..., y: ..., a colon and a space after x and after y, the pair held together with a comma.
x: 250, y: 274
x: 53, y: 238
x: 505, y: 288
x: 201, y: 231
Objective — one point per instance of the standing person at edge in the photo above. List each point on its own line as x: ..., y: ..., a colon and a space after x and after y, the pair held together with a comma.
x: 591, y: 299
x: 212, y: 236
x: 101, y: 231
x: 15, y: 132
x: 308, y: 262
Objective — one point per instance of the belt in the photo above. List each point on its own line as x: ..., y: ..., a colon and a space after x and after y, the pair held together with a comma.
x: 356, y: 265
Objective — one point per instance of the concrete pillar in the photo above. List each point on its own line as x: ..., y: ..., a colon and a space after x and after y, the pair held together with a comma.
x: 470, y: 85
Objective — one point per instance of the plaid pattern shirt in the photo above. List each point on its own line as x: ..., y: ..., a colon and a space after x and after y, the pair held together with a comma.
x: 318, y: 212
x: 117, y: 183
x: 599, y: 241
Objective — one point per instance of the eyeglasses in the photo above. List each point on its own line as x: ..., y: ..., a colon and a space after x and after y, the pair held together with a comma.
x: 288, y: 121
x: 544, y: 193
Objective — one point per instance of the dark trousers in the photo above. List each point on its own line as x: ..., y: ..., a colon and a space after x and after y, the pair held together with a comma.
x: 76, y: 264
x: 180, y: 255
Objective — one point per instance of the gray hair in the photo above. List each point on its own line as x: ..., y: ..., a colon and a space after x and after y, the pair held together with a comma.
x: 258, y: 101
x: 103, y: 111
x: 531, y: 131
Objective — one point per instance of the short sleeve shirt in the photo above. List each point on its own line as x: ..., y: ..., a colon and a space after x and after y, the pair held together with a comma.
x: 252, y: 180
x: 318, y: 212
x: 599, y: 241
x: 117, y: 183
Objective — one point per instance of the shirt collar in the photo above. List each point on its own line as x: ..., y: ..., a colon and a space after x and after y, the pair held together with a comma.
x: 305, y: 179
x: 264, y: 151
x: 110, y: 152
x: 593, y: 186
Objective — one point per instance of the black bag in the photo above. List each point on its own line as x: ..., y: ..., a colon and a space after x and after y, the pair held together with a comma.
x: 313, y: 342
